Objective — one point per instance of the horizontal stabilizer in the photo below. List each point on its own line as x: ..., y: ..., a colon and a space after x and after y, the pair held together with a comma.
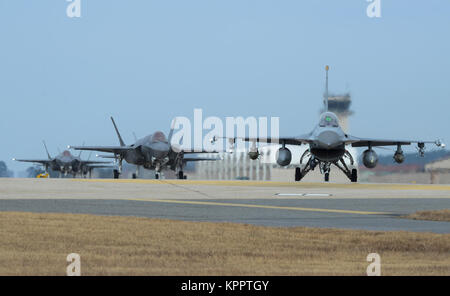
x: 41, y: 161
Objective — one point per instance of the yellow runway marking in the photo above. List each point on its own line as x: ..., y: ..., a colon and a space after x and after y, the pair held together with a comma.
x: 355, y: 186
x: 261, y: 206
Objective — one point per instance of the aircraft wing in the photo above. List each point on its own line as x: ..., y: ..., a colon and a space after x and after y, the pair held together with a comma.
x: 365, y: 142
x: 198, y: 152
x: 286, y: 140
x: 40, y: 161
x: 190, y: 158
x: 110, y: 149
x: 93, y: 162
x: 99, y: 166
x: 106, y: 156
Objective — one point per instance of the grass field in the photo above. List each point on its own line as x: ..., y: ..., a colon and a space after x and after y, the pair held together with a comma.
x: 38, y: 244
x: 436, y: 215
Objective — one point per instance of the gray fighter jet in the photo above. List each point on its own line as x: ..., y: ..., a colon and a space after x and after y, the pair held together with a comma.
x: 327, y: 146
x: 65, y: 163
x: 153, y: 152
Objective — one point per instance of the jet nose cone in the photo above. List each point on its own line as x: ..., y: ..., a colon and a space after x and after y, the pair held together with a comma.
x: 159, y: 150
x: 328, y: 139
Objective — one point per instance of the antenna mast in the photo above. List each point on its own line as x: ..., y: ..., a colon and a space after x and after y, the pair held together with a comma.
x: 325, y: 101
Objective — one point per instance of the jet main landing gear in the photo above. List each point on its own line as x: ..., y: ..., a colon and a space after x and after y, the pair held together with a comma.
x: 354, y: 176
x: 298, y: 174
x: 181, y: 175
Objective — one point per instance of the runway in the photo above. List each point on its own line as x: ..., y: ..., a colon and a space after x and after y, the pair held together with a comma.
x: 280, y: 204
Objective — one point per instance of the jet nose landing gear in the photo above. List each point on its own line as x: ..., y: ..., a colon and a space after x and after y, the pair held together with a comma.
x: 325, y: 169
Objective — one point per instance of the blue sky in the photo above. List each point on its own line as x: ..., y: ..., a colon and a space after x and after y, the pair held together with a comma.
x: 146, y: 61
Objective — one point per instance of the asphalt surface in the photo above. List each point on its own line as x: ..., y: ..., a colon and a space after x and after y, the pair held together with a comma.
x: 347, y: 206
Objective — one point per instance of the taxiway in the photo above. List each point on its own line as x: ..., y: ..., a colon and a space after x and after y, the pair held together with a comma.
x: 280, y: 204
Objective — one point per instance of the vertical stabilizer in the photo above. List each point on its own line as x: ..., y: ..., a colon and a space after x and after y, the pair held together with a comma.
x: 325, y: 97
x: 46, y: 150
x: 122, y: 143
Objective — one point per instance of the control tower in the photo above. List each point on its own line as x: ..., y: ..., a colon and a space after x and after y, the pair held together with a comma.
x: 340, y: 105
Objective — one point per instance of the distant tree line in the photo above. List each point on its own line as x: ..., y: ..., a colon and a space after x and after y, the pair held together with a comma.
x: 4, y: 172
x: 34, y: 171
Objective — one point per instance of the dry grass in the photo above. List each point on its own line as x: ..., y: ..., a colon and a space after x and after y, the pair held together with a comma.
x: 437, y: 215
x: 37, y: 244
